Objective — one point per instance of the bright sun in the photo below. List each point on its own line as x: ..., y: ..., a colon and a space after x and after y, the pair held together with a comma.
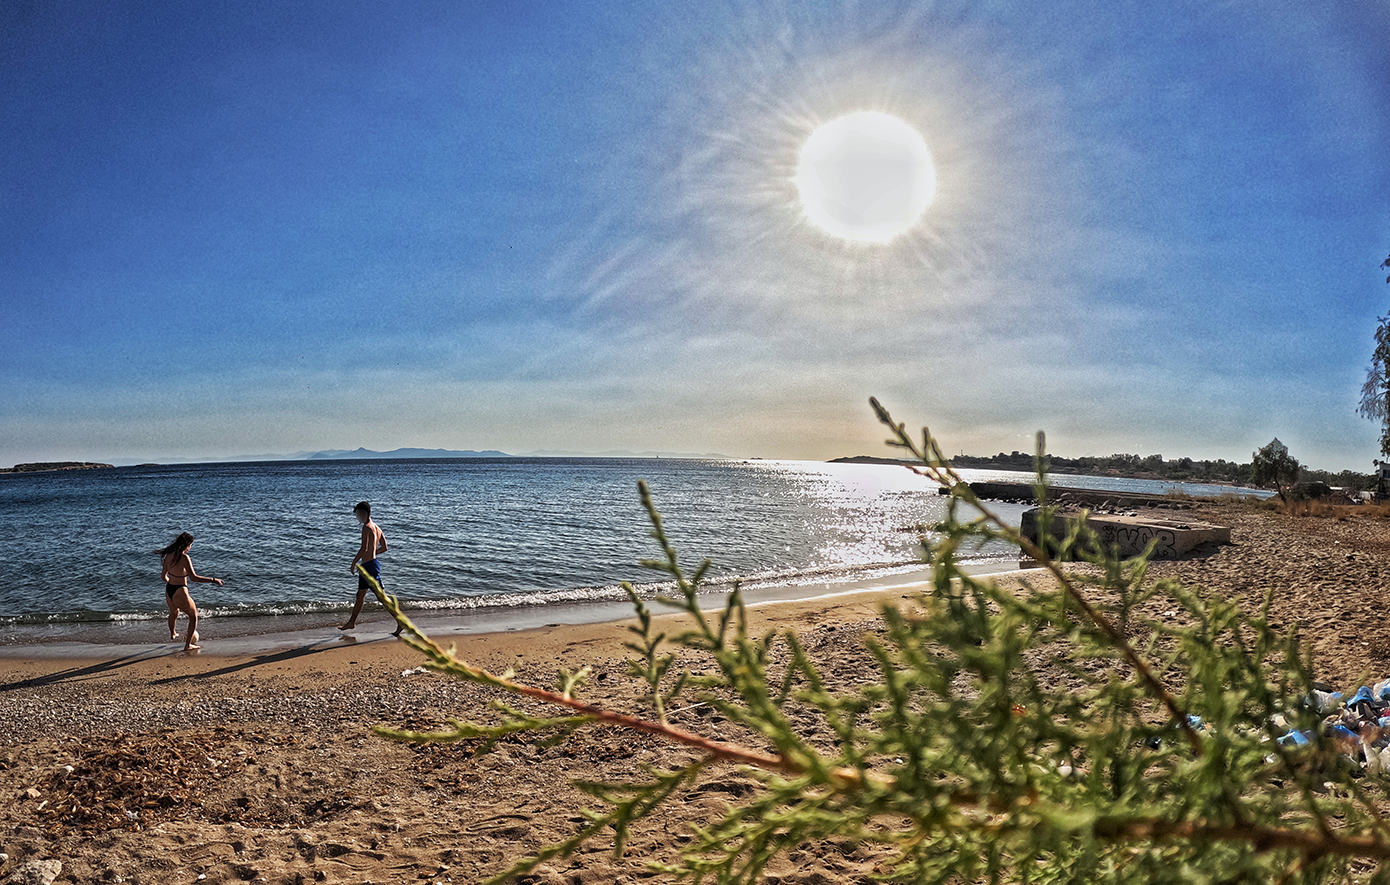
x: 866, y: 177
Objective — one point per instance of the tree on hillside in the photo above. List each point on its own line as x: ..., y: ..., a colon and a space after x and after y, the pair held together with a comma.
x: 1375, y: 393
x: 1273, y: 465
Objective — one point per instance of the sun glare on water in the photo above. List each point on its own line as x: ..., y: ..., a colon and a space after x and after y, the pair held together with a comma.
x: 865, y: 177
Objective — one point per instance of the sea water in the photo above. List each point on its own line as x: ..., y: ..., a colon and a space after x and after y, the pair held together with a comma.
x: 464, y: 534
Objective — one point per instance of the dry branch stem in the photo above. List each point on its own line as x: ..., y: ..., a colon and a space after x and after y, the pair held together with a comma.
x: 1312, y: 844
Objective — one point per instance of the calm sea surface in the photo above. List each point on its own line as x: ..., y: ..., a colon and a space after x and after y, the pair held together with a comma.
x: 463, y: 534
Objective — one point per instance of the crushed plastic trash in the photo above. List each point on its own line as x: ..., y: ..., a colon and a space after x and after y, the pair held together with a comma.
x: 1154, y: 742
x: 1341, y: 731
x: 1356, y: 724
x: 1323, y: 702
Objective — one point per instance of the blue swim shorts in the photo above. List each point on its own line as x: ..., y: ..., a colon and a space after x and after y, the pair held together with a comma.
x: 373, y: 567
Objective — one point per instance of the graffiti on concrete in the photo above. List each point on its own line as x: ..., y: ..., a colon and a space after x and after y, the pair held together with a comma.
x: 1131, y: 540
x: 1131, y: 535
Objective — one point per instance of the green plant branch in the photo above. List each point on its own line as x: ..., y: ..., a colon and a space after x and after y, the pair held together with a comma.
x: 962, y: 742
x: 996, y: 817
x: 444, y: 661
x: 938, y: 468
x: 626, y: 806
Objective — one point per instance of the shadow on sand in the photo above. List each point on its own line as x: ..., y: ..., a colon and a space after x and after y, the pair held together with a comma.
x: 288, y: 654
x: 103, y: 668
x: 79, y: 673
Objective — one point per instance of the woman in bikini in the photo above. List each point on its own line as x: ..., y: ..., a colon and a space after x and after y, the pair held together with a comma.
x: 178, y: 571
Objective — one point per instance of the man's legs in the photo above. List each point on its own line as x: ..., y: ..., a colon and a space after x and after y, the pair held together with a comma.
x: 356, y: 609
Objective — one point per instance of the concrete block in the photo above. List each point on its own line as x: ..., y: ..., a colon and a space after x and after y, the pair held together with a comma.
x: 1131, y: 535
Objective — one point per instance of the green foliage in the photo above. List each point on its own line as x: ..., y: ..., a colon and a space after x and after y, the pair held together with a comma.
x: 1273, y: 465
x: 1009, y: 736
x: 1152, y: 466
x: 1375, y: 393
x: 1345, y: 479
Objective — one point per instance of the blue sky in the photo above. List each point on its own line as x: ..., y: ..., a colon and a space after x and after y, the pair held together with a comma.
x: 277, y: 227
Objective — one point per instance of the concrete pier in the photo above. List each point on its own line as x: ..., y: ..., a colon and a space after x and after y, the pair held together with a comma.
x: 1131, y: 535
x: 1023, y: 493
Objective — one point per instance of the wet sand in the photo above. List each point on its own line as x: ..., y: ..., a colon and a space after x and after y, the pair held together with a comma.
x: 257, y: 764
x: 146, y: 637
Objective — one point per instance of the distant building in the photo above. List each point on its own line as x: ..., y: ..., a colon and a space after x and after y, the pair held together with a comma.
x: 1382, y: 480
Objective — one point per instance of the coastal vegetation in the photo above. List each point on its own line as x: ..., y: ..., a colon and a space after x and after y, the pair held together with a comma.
x: 1220, y: 471
x: 1322, y: 509
x: 1098, y: 726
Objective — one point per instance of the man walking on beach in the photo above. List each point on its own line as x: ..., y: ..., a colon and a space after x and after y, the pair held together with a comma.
x: 373, y: 545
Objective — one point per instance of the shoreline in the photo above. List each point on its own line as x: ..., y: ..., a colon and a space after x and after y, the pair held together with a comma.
x: 375, y: 637
x: 244, y: 636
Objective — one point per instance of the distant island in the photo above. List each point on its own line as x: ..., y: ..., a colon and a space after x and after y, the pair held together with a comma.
x: 361, y: 454
x: 43, y: 466
x: 342, y: 454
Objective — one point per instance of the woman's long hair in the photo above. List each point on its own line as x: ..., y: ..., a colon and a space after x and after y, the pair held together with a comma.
x: 180, y: 544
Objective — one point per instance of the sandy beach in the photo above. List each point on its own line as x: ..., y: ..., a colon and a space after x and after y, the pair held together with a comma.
x: 151, y: 766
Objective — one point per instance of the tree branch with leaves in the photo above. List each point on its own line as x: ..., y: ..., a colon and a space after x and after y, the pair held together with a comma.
x: 1375, y: 393
x: 1272, y: 465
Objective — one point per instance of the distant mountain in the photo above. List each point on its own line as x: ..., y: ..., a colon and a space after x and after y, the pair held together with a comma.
x: 364, y: 454
x: 692, y: 456
x: 342, y: 455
